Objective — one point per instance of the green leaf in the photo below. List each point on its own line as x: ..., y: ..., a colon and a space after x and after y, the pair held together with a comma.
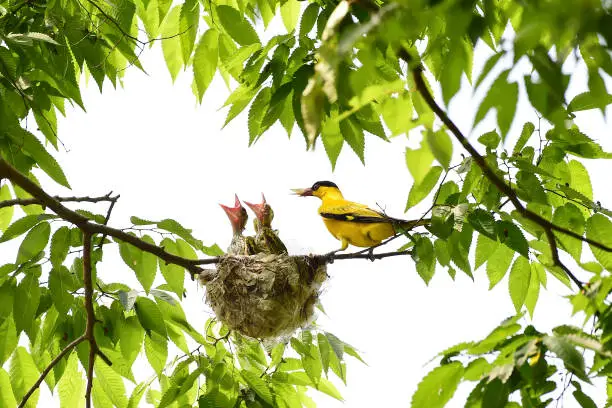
x: 309, y: 18
x: 290, y: 13
x: 61, y: 282
x: 528, y: 129
x: 483, y: 222
x: 518, y: 282
x: 599, y: 229
x: 531, y: 187
x: 7, y: 399
x: 142, y: 263
x: 421, y: 190
x: 332, y: 140
x: 534, y: 290
x: 488, y: 66
x: 565, y: 350
x: 258, y: 385
x: 441, y: 146
x: 424, y: 258
x: 35, y: 241
x: 353, y: 134
x: 328, y: 388
x: 111, y: 383
x: 502, y: 96
x: 490, y: 139
x: 511, y: 235
x: 188, y: 27
x: 150, y: 316
x: 205, y: 61
x: 257, y: 112
x: 485, y: 247
x: 60, y: 245
x: 397, y: 114
x: 8, y: 335
x: 25, y: 303
x: 587, y: 100
x: 570, y: 217
x: 438, y: 387
x: 35, y: 149
x: 127, y: 299
x: 21, y: 226
x: 23, y: 374
x: 498, y: 264
x: 131, y: 336
x: 419, y: 162
x: 156, y: 350
x: 237, y: 26
x: 171, y: 45
x: 6, y: 213
x: 71, y: 386
x: 173, y: 274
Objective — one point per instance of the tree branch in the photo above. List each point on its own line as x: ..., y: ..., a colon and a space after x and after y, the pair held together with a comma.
x: 91, y: 317
x: 36, y: 201
x: 46, y: 371
x: 498, y: 182
x: 107, y: 218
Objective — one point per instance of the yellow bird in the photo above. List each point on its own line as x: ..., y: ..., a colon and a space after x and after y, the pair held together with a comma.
x: 353, y: 223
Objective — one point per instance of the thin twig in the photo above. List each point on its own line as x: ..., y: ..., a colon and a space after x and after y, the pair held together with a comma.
x: 36, y: 201
x: 46, y: 371
x: 107, y: 218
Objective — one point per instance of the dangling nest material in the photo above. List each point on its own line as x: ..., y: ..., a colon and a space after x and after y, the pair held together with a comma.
x: 265, y: 296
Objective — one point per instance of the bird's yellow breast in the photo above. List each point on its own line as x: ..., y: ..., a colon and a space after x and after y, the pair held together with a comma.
x: 355, y: 233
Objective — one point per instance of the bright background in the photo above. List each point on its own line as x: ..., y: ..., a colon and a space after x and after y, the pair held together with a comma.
x: 169, y: 157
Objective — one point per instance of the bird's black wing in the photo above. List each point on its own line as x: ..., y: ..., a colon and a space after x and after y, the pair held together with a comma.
x: 365, y: 219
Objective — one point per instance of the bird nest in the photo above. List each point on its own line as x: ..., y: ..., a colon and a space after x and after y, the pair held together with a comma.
x: 264, y: 295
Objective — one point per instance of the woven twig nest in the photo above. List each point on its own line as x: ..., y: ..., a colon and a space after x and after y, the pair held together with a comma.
x: 264, y: 295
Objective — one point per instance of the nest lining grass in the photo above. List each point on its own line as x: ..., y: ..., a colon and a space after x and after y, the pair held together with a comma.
x: 264, y: 296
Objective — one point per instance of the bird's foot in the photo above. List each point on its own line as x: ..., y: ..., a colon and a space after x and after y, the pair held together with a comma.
x: 329, y: 257
x: 371, y: 254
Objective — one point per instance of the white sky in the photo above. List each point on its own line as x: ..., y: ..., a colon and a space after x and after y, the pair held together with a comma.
x: 168, y: 157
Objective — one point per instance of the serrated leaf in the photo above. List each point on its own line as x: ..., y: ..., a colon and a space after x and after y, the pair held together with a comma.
x: 397, y: 114
x: 258, y: 385
x: 60, y: 283
x: 237, y: 26
x: 502, y: 96
x: 419, y: 191
x: 490, y: 139
x: 424, y: 257
x: 290, y: 13
x: 188, y: 27
x: 156, y: 350
x: 498, y: 264
x: 488, y: 66
x: 7, y: 399
x: 566, y: 351
x: 205, y: 61
x: 26, y: 301
x: 528, y: 129
x: 35, y: 149
x: 257, y: 112
x: 35, y: 241
x: 8, y: 336
x: 570, y: 217
x: 20, y: 226
x: 171, y: 45
x: 354, y: 137
x: 112, y: 383
x: 588, y: 100
x: 599, y: 229
x: 144, y: 264
x: 419, y: 162
x: 485, y: 247
x: 441, y: 146
x: 127, y: 299
x: 328, y: 388
x: 6, y: 213
x: 534, y: 290
x: 60, y: 245
x: 131, y: 336
x: 309, y: 17
x: 483, y: 222
x: 438, y: 387
x: 511, y: 235
x: 332, y: 140
x: 518, y: 282
x: 23, y: 374
x: 71, y: 386
x: 150, y: 316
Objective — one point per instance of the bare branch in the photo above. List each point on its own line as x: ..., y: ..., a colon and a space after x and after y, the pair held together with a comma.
x: 108, y: 214
x: 36, y: 201
x: 46, y: 371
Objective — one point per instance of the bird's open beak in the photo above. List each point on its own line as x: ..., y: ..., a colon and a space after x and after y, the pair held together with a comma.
x: 258, y: 209
x: 302, y: 192
x: 233, y: 213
